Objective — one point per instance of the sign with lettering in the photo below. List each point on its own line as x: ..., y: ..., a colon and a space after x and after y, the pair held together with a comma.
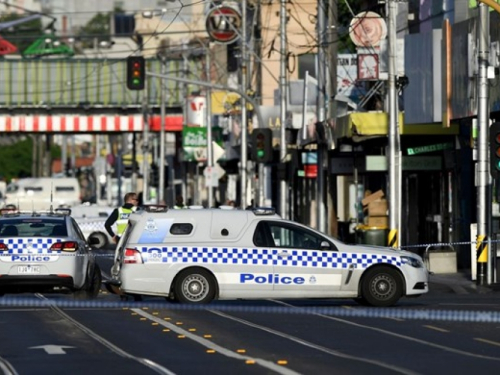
x: 223, y: 23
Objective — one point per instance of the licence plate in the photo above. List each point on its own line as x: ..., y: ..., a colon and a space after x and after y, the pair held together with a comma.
x: 28, y: 269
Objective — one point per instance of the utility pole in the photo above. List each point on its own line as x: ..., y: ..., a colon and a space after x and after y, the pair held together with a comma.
x: 244, y: 114
x: 161, y: 167
x: 208, y: 120
x: 483, y: 32
x: 320, y: 114
x: 332, y: 229
x: 283, y: 108
x: 394, y: 176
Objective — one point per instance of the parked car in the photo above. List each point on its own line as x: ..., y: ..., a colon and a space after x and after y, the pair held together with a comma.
x: 43, y: 193
x: 198, y: 255
x: 45, y: 251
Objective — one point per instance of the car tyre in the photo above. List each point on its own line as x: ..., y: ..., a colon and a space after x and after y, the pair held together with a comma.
x: 92, y: 285
x: 381, y: 287
x: 194, y: 286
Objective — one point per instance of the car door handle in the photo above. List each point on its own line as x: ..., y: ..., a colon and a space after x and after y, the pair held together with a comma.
x: 283, y: 254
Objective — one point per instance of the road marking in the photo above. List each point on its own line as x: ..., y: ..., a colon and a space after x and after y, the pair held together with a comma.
x: 144, y: 361
x: 53, y: 349
x: 436, y: 328
x: 312, y: 345
x: 487, y: 341
x: 423, y: 342
x: 220, y: 349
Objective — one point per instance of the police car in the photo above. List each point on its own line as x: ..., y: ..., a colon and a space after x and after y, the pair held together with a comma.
x: 45, y: 251
x: 198, y: 255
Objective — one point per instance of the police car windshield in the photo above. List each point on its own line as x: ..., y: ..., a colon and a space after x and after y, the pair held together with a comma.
x: 32, y: 227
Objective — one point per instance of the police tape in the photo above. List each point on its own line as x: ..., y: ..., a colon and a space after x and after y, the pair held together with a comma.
x: 338, y: 311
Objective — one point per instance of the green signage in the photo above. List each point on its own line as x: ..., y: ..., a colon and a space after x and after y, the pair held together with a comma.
x: 430, y: 148
x: 194, y: 142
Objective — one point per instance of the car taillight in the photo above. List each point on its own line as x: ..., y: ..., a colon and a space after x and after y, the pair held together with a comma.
x: 132, y: 256
x: 3, y: 247
x: 64, y: 246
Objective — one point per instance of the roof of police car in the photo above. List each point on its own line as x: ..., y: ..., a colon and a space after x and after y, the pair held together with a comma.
x: 200, y: 211
x: 9, y: 214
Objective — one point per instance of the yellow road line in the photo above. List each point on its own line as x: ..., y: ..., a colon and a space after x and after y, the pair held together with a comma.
x: 437, y: 328
x: 487, y: 341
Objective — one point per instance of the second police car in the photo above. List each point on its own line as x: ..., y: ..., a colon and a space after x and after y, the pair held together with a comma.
x: 198, y: 255
x: 45, y: 251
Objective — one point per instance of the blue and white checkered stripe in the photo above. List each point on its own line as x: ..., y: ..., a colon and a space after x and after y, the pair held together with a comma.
x: 37, y: 245
x: 87, y: 226
x: 241, y: 256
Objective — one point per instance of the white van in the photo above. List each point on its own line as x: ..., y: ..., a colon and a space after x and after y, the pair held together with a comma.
x: 42, y: 193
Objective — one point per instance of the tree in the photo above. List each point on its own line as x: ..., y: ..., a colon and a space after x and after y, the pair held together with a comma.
x: 97, y: 27
x: 22, y: 153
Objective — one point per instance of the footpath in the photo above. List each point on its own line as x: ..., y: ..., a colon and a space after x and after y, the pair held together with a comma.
x: 459, y: 283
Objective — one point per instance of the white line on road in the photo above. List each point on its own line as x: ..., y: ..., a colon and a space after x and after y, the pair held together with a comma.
x: 315, y: 346
x: 414, y: 339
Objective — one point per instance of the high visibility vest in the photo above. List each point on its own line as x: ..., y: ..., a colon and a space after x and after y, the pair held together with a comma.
x: 121, y: 223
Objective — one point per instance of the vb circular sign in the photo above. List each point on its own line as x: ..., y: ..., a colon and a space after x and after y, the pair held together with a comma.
x: 223, y: 24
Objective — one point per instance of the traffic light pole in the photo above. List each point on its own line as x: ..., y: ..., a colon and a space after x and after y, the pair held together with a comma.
x: 161, y: 172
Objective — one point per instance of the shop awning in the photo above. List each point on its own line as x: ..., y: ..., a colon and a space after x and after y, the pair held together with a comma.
x: 363, y: 124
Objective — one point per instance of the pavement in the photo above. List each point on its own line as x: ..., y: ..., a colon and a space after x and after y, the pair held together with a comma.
x: 459, y: 283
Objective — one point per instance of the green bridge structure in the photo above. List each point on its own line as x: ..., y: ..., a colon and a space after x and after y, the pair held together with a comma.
x: 86, y: 84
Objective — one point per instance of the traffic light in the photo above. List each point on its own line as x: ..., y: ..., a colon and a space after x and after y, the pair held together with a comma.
x: 262, y: 145
x: 136, y: 73
x: 495, y: 149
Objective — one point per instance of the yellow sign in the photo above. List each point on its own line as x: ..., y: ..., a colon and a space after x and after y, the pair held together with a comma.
x: 226, y: 102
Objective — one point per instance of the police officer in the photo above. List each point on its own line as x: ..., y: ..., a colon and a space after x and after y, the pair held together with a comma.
x: 120, y: 216
x: 179, y: 203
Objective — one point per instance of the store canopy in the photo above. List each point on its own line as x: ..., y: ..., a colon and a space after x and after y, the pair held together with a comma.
x: 370, y: 124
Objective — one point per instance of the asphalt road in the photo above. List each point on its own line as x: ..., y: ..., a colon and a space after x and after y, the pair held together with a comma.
x: 247, y: 337
x: 444, y: 331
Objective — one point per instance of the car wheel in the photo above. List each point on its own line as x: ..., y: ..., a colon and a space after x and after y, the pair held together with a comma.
x: 92, y: 285
x: 381, y: 286
x: 101, y: 238
x: 195, y: 286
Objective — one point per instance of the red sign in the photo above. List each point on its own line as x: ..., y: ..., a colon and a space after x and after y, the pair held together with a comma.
x: 223, y: 24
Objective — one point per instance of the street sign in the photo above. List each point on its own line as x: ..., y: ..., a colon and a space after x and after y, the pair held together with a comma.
x: 211, y: 177
x: 223, y: 23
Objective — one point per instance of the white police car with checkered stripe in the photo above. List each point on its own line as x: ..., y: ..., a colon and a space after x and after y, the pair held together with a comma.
x: 198, y: 255
x: 45, y: 251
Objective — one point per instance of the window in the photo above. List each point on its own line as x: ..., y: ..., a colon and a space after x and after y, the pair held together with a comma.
x: 295, y: 237
x: 65, y: 188
x: 33, y: 228
x: 181, y: 228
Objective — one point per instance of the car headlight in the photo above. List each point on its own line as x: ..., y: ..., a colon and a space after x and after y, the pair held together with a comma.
x: 414, y: 262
